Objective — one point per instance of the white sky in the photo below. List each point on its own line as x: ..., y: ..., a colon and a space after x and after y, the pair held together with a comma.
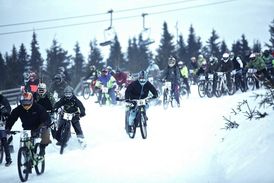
x: 184, y: 144
x: 230, y: 19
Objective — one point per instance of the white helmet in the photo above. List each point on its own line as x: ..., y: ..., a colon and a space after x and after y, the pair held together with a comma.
x: 225, y: 57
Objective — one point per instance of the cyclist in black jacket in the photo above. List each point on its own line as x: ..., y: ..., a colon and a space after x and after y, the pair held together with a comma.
x: 4, y: 113
x: 72, y: 104
x: 34, y: 117
x: 139, y: 89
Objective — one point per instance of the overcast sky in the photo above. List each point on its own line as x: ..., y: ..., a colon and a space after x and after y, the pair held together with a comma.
x: 230, y: 18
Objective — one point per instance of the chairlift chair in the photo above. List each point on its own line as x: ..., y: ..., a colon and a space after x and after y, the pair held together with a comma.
x: 109, y: 33
x: 146, y: 33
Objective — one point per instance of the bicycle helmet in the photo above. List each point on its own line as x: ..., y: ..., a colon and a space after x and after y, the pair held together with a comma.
x: 171, y: 61
x: 61, y: 69
x: 180, y: 64
x: 231, y: 55
x: 42, y: 88
x: 26, y: 100
x: 252, y: 56
x: 225, y: 57
x: 142, y: 77
x: 58, y: 78
x: 68, y: 92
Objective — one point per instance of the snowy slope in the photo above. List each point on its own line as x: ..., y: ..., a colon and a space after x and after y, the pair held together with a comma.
x: 184, y: 144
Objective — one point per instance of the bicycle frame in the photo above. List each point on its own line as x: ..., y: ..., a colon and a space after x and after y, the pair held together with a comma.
x: 28, y: 154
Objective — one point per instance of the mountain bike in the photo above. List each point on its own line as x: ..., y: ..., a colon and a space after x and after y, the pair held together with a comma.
x: 105, y: 98
x: 63, y: 133
x: 88, y: 88
x: 167, y: 95
x: 252, y: 78
x: 222, y: 87
x: 140, y: 119
x: 28, y: 155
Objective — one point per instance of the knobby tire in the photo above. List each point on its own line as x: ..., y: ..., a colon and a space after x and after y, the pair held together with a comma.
x: 23, y: 163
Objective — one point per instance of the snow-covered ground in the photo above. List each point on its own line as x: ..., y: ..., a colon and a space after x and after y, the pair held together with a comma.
x: 184, y: 145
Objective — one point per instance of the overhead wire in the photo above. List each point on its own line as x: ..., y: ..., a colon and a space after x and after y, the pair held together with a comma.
x: 105, y: 20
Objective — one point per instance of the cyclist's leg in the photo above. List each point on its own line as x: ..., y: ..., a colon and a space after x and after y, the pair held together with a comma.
x: 5, y: 145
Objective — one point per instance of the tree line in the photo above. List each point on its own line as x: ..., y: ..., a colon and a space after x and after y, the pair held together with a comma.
x: 136, y: 58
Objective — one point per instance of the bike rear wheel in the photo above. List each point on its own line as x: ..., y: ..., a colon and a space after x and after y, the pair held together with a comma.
x: 86, y: 92
x: 40, y: 164
x: 23, y: 164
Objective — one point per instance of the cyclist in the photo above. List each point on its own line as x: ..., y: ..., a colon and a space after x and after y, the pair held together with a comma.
x: 44, y: 98
x: 226, y: 66
x: 258, y: 63
x: 4, y: 113
x: 72, y: 104
x: 172, y: 74
x: 93, y: 76
x: 34, y: 117
x: 193, y: 69
x: 65, y: 76
x: 138, y: 89
x: 269, y: 60
x: 106, y: 79
x: 58, y: 84
x: 184, y: 74
x: 153, y: 70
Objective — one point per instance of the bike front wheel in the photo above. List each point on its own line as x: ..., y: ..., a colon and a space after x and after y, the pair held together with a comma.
x: 165, y: 99
x: 86, y: 92
x: 40, y: 163
x: 64, y: 135
x: 1, y: 153
x: 201, y: 89
x: 23, y: 164
x: 143, y: 125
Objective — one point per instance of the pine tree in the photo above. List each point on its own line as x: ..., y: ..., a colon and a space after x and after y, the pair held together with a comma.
x: 166, y: 48
x: 116, y: 58
x: 194, y: 44
x: 23, y: 60
x: 95, y: 56
x: 77, y: 69
x: 257, y: 47
x: 4, y: 74
x: 56, y: 57
x: 36, y: 59
x: 132, y: 55
x: 13, y: 69
x: 271, y: 39
x: 223, y: 49
x: 144, y: 55
x: 181, y: 51
x: 213, y: 45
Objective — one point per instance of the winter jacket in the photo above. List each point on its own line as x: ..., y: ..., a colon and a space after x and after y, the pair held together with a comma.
x: 72, y: 105
x: 47, y: 100
x: 184, y: 72
x: 172, y: 74
x: 225, y: 66
x: 120, y: 78
x: 136, y: 91
x: 31, y: 119
x: 106, y: 80
x: 258, y: 64
x: 5, y: 108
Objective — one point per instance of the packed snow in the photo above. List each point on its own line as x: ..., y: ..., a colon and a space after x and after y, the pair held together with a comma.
x: 185, y: 145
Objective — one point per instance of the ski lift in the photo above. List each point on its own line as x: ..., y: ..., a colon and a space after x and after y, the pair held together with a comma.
x: 146, y: 33
x: 109, y: 33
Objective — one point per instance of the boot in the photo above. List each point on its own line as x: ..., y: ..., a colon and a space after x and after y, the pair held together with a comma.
x: 8, y: 161
x: 42, y: 150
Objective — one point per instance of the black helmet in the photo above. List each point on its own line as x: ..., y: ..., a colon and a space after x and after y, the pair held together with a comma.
x: 58, y: 78
x: 142, y: 77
